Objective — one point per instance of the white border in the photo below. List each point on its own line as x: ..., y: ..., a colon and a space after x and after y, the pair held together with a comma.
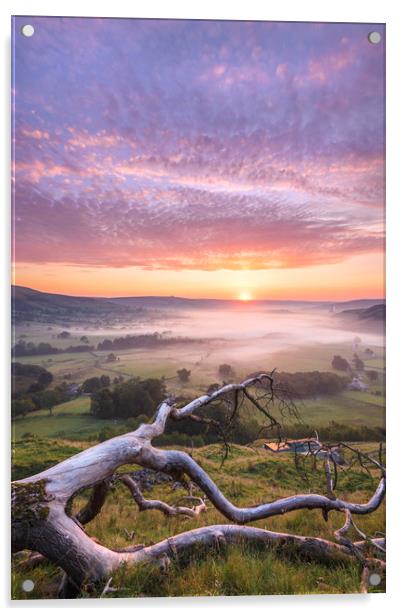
x: 368, y: 11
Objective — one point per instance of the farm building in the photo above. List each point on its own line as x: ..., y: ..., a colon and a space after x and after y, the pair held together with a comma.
x: 303, y: 447
x: 358, y: 385
x: 292, y: 445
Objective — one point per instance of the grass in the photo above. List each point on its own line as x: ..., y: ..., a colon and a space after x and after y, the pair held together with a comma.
x: 248, y: 476
x: 319, y: 357
x: 350, y: 408
x: 33, y: 455
x: 70, y: 420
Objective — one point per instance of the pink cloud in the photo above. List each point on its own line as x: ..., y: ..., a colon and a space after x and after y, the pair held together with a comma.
x: 34, y: 133
x: 282, y: 70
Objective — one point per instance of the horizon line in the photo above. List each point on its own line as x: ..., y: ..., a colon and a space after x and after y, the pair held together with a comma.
x: 217, y: 299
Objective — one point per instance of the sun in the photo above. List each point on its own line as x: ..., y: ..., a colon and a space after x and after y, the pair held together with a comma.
x: 245, y: 296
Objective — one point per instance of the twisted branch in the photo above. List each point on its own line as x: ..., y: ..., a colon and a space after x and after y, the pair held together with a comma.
x: 168, y: 510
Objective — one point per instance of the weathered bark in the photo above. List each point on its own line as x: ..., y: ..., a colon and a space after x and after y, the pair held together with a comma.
x: 41, y: 503
x: 95, y: 502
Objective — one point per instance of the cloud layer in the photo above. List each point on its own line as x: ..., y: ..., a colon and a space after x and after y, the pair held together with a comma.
x: 202, y: 145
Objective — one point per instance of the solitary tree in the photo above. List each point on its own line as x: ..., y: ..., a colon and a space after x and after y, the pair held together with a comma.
x: 226, y: 371
x: 64, y: 335
x: 339, y: 363
x: 49, y: 399
x: 91, y: 385
x: 184, y: 375
x: 44, y: 379
x: 42, y: 504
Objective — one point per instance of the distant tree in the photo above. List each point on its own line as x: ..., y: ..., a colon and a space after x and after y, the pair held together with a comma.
x: 64, y: 335
x: 111, y: 358
x: 91, y: 385
x: 44, y: 379
x: 339, y: 363
x: 105, y: 380
x: 312, y: 384
x: 84, y: 339
x: 49, y: 399
x: 184, y: 375
x: 29, y: 348
x: 226, y: 371
x: 372, y: 375
x: 357, y: 362
x: 128, y: 399
x: 22, y: 406
x: 102, y: 404
x: 156, y: 389
x: 131, y: 399
x: 369, y: 353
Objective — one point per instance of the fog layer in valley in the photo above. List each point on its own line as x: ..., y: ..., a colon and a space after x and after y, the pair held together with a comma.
x: 281, y: 326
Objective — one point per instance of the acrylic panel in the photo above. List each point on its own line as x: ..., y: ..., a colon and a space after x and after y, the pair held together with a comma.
x: 198, y: 352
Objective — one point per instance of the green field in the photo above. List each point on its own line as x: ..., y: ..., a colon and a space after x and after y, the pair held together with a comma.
x: 350, y: 408
x: 72, y: 420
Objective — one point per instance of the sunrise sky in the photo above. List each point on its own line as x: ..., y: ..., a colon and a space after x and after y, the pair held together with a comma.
x: 199, y: 159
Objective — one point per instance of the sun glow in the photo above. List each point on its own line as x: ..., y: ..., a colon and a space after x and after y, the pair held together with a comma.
x: 245, y: 296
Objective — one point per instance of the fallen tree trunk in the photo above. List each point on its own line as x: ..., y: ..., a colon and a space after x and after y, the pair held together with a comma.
x: 41, y: 522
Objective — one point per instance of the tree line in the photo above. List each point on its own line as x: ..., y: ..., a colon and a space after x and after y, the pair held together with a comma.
x: 22, y: 348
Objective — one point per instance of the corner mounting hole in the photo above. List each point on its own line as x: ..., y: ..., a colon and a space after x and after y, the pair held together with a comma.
x: 374, y: 38
x: 28, y: 585
x: 374, y: 579
x: 28, y: 30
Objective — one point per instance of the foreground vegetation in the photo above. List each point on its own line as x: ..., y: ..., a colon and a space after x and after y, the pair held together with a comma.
x: 247, y: 475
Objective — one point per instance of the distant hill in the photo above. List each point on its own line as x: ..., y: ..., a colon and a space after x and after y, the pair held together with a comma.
x: 357, y: 305
x: 372, y: 318
x: 31, y: 305
x: 374, y: 313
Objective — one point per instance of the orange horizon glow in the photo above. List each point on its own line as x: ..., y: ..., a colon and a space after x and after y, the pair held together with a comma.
x: 355, y: 278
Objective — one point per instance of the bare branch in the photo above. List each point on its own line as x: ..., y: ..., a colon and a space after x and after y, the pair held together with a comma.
x: 168, y: 510
x: 242, y: 515
x: 190, y: 408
